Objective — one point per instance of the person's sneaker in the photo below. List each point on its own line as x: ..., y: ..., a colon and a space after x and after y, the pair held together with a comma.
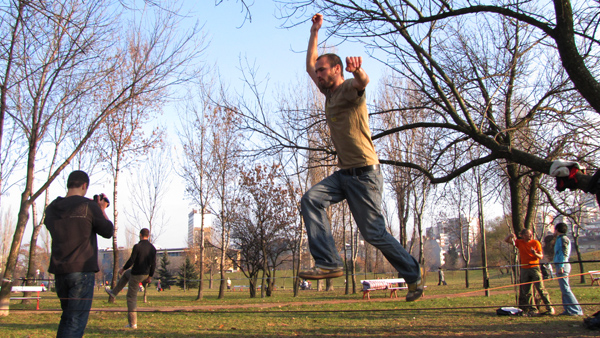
x: 107, y: 289
x: 415, y: 290
x: 129, y: 326
x: 320, y: 273
x: 550, y: 312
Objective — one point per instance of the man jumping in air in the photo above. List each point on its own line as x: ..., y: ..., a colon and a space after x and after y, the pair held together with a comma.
x: 359, y: 180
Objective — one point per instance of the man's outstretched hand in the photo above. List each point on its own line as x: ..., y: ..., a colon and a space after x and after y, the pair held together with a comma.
x: 353, y: 63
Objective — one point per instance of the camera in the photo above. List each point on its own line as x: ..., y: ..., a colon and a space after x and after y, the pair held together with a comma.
x: 102, y: 197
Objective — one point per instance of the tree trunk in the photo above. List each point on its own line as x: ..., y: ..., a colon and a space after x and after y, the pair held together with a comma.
x: 298, y: 260
x: 31, y: 270
x: 201, y: 254
x: 354, y: 248
x: 486, y: 281
x: 346, y: 265
x: 223, y: 237
x: 532, y: 202
x: 252, y: 287
x: 11, y: 262
x: 222, y: 269
x: 22, y: 218
x: 366, y: 260
x: 265, y: 268
x: 115, y: 276
x: 579, y: 258
x: 514, y: 182
x: 572, y: 61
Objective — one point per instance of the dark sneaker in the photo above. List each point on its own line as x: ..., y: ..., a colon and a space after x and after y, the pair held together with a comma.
x: 415, y: 290
x: 107, y: 289
x: 320, y: 273
x: 550, y: 312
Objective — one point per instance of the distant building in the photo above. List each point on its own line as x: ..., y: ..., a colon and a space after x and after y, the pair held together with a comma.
x: 586, y: 223
x: 176, y: 258
x: 195, y: 225
x: 448, y: 232
x: 105, y: 261
x: 544, y: 223
x: 445, y: 236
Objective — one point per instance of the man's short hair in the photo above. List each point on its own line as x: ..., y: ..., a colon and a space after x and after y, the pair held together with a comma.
x: 145, y: 232
x: 333, y: 60
x: 524, y: 231
x: 77, y: 178
x: 561, y: 227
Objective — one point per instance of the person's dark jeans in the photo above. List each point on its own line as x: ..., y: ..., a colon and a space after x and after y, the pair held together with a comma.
x: 75, y: 291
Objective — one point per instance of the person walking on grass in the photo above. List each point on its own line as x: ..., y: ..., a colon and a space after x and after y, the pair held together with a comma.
x: 142, y: 263
x: 530, y: 253
x: 562, y: 251
x: 359, y: 180
x: 441, y: 277
x: 74, y: 222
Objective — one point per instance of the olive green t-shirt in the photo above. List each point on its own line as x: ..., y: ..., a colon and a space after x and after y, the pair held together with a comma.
x: 348, y: 121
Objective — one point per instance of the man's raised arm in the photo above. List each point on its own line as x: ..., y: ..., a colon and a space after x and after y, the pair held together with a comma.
x: 312, y: 53
x: 354, y: 66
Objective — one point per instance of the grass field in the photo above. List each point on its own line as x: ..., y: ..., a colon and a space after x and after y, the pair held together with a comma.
x: 451, y: 310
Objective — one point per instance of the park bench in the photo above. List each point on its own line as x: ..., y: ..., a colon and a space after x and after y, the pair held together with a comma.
x: 391, y: 284
x: 25, y: 288
x: 595, y: 276
x: 240, y: 287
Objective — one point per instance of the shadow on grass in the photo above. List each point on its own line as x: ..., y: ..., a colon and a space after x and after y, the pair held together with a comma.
x: 469, y: 323
x: 38, y: 329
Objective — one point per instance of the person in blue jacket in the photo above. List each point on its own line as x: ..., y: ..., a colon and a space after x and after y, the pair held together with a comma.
x: 562, y: 251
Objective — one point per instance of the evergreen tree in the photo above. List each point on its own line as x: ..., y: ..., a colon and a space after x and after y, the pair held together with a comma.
x: 164, y: 274
x: 187, y: 272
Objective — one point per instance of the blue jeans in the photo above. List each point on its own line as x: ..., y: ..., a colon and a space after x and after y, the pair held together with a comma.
x: 75, y: 291
x: 570, y: 303
x: 363, y: 194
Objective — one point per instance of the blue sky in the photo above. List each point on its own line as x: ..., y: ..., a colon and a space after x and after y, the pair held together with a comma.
x: 278, y: 53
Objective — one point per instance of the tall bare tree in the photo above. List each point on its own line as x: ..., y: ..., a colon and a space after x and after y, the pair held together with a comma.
x: 195, y: 168
x: 268, y: 211
x: 148, y: 192
x: 124, y: 144
x: 12, y: 26
x: 70, y: 64
x: 61, y: 130
x: 225, y: 147
x: 296, y: 183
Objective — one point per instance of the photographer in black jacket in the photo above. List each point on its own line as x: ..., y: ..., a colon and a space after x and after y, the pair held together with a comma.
x: 73, y: 222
